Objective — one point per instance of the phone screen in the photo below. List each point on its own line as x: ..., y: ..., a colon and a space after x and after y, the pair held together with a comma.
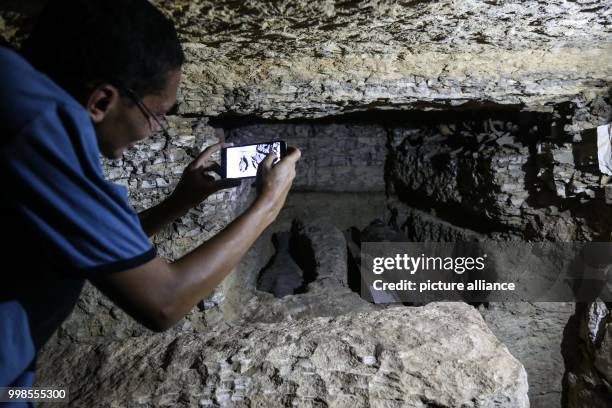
x: 243, y: 161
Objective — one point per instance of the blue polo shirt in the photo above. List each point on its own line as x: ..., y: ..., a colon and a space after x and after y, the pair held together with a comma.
x: 62, y: 221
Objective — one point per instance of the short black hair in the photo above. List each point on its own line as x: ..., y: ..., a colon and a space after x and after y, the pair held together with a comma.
x: 127, y: 43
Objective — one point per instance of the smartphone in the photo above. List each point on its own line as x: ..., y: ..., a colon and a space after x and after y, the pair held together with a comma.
x: 242, y: 161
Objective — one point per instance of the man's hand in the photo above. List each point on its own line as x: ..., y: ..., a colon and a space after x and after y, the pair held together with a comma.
x: 158, y: 294
x: 274, y: 181
x: 196, y: 183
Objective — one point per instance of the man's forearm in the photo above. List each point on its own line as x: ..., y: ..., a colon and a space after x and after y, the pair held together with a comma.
x: 159, y: 293
x: 203, y: 269
x: 157, y: 217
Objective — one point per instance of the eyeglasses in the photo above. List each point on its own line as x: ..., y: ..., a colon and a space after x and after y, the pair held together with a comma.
x: 161, y: 120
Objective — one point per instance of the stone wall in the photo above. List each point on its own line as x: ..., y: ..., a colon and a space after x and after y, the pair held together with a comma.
x: 511, y: 176
x: 534, y: 333
x: 353, y: 360
x: 589, y: 377
x: 518, y: 175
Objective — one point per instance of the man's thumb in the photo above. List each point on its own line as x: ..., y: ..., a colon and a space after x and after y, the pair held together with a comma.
x: 266, y: 163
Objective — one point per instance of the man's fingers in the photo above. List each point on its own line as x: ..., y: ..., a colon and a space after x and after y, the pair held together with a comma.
x: 214, y: 166
x: 290, y: 159
x: 263, y: 169
x: 209, y: 151
x: 208, y: 177
x: 293, y: 154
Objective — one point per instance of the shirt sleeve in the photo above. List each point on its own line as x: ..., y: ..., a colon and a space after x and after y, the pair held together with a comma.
x: 79, y: 221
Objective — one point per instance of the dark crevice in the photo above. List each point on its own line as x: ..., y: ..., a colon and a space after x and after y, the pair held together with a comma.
x: 300, y: 248
x: 418, y: 116
x: 353, y: 269
x: 571, y: 348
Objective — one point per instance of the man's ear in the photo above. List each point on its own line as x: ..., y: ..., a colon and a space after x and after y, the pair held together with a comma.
x: 101, y: 100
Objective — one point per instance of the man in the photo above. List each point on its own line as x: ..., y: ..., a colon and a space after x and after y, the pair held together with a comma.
x: 111, y: 71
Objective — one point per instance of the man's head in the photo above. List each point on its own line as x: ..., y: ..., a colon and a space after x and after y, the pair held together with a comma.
x: 120, y: 59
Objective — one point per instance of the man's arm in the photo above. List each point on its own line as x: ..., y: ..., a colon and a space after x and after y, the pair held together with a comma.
x: 155, y: 218
x: 158, y: 294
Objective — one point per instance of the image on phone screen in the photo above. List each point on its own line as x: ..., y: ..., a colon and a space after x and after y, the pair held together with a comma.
x: 243, y: 161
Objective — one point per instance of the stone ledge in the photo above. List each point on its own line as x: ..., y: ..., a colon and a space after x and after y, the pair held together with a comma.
x: 309, y: 59
x: 292, y: 87
x: 439, y: 355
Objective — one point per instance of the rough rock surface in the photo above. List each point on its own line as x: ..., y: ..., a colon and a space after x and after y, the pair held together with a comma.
x: 533, y: 332
x: 524, y: 177
x: 589, y: 379
x: 311, y: 59
x: 441, y: 355
x: 216, y: 358
x: 509, y: 176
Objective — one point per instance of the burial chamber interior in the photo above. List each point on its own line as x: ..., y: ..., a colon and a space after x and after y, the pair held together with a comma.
x: 452, y: 175
x: 378, y: 175
x: 494, y: 173
x: 428, y: 121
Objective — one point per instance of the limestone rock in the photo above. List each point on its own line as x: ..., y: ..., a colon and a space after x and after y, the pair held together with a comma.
x: 589, y: 379
x: 313, y: 59
x: 502, y: 178
x: 534, y: 333
x: 440, y: 355
x: 306, y: 59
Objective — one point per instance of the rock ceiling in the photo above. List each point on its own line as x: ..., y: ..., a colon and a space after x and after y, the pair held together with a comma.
x: 310, y: 59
